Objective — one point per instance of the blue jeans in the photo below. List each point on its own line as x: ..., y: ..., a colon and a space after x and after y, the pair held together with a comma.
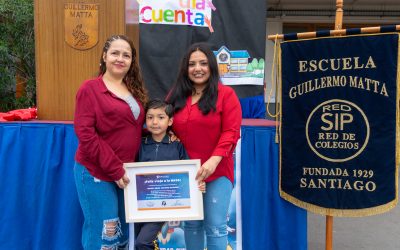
x: 103, y: 208
x: 216, y: 204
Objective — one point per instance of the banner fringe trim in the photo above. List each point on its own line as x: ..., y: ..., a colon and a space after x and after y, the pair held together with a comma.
x: 275, y: 85
x: 340, y: 212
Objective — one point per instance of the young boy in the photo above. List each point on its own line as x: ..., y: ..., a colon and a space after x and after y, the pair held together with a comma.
x: 157, y: 147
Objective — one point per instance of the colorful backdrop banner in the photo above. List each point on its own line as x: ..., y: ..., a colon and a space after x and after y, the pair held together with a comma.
x: 339, y: 121
x: 176, y: 12
x: 235, y: 29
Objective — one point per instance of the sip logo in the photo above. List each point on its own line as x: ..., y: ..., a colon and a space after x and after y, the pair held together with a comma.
x: 337, y: 130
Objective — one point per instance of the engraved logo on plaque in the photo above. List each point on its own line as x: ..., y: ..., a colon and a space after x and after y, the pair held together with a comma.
x: 81, y: 25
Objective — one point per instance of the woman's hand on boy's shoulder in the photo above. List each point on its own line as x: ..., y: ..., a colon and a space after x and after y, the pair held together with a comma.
x: 173, y: 136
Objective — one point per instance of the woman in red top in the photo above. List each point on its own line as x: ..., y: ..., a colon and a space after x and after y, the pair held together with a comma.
x: 207, y: 121
x: 108, y: 121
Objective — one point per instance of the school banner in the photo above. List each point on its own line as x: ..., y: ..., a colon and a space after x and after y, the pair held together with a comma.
x: 235, y: 29
x: 340, y: 124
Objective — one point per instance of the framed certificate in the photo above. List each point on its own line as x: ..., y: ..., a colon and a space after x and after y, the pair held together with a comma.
x: 163, y: 191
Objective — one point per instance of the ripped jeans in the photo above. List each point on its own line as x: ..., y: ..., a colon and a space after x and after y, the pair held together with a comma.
x: 216, y: 204
x: 103, y: 208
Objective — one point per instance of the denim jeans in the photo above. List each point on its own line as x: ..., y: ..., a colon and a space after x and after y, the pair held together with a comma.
x: 216, y: 204
x: 103, y: 208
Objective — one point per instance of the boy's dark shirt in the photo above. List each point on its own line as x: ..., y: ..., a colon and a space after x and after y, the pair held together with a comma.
x: 166, y: 150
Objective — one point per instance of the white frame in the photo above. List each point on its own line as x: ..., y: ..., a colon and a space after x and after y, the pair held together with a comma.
x: 188, y: 167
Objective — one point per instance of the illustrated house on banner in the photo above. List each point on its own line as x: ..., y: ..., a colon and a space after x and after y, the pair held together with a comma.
x: 231, y: 61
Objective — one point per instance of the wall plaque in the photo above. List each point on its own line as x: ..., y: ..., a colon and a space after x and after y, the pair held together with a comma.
x: 81, y: 25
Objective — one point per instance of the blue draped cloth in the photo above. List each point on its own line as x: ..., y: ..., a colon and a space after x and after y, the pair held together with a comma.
x: 253, y: 107
x: 268, y: 222
x: 38, y: 202
x: 40, y: 209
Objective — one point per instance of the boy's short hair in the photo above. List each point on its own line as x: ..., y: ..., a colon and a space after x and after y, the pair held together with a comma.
x: 157, y: 103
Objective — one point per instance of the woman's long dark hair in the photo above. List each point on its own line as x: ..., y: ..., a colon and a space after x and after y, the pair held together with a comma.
x: 133, y: 78
x: 183, y: 87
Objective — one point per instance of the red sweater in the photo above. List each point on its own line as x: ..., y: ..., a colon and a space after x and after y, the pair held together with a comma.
x: 214, y: 134
x: 107, y: 131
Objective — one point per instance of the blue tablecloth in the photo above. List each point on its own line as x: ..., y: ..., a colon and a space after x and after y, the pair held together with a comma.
x: 268, y: 221
x: 39, y: 205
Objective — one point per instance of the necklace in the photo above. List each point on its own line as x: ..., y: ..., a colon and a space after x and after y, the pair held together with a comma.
x: 196, y: 93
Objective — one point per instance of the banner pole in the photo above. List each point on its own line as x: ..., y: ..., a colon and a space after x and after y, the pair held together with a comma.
x: 328, y: 234
x: 329, y: 219
x: 339, y: 15
x: 339, y: 32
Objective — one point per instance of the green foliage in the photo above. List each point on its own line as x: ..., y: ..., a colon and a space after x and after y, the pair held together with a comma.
x: 17, y: 53
x: 249, y: 68
x: 254, y: 63
x: 261, y: 64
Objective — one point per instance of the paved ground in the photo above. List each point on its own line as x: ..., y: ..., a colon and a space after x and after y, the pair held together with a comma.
x: 378, y: 232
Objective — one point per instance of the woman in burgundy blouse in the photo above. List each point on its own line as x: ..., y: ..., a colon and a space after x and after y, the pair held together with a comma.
x: 207, y: 121
x: 108, y: 121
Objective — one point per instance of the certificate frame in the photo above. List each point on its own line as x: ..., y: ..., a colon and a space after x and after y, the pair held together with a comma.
x: 163, y: 191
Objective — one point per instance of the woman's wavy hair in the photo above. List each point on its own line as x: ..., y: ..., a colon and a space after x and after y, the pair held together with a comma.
x: 133, y: 78
x: 183, y: 87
